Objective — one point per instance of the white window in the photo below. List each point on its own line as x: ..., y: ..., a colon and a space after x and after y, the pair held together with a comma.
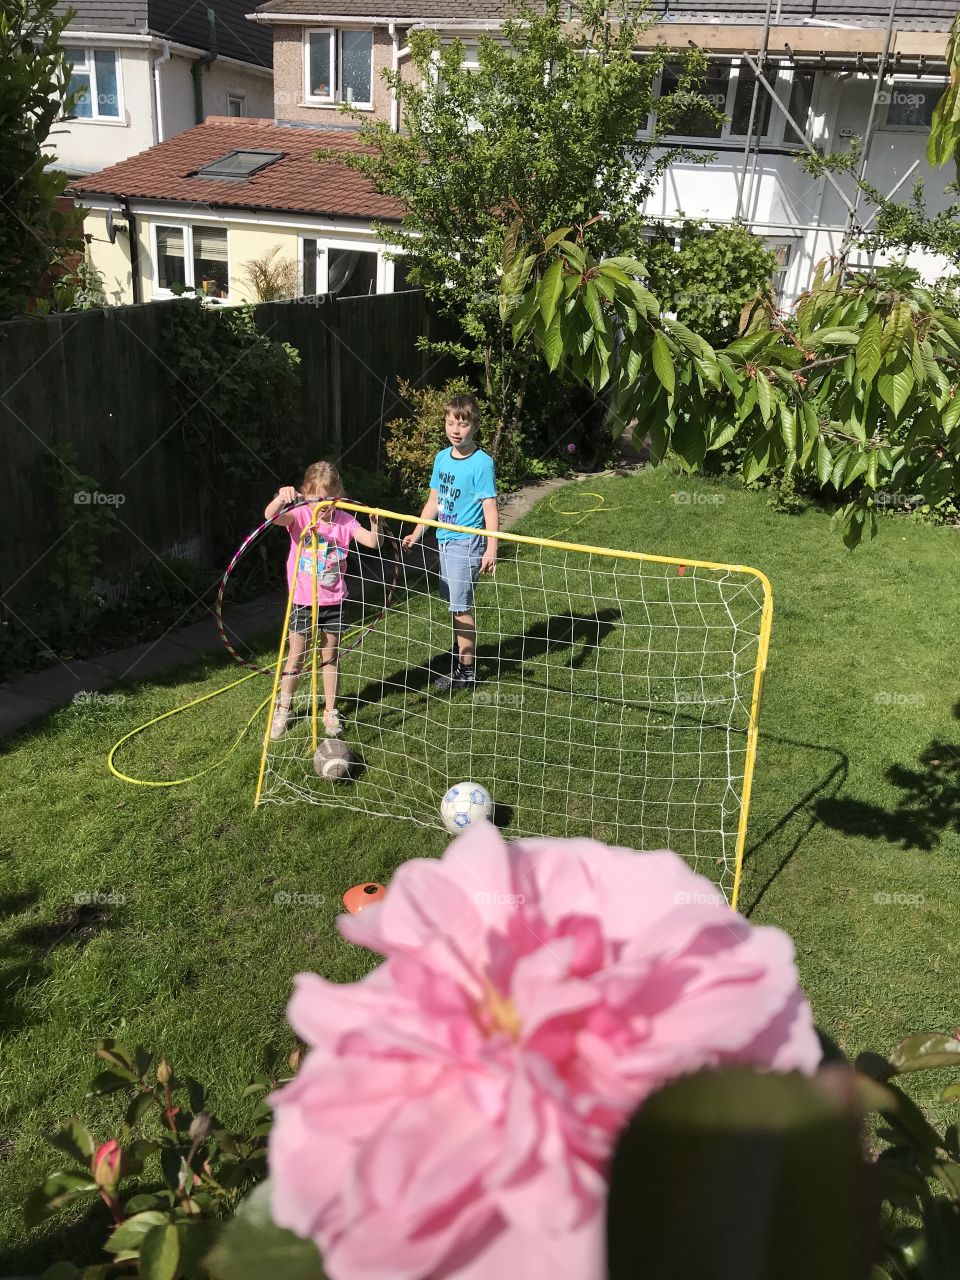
x: 728, y: 88
x: 235, y: 105
x: 910, y: 103
x: 191, y: 257
x: 95, y: 82
x: 345, y: 269
x: 338, y: 66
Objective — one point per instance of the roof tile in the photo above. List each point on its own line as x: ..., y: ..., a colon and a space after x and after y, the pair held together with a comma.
x: 296, y: 183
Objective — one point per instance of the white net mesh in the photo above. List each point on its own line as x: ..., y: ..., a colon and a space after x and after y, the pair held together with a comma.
x: 612, y: 699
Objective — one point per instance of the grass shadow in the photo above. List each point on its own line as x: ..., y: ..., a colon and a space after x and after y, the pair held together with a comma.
x: 768, y: 855
x: 24, y: 956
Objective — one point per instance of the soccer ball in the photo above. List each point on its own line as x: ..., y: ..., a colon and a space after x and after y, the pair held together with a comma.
x: 333, y: 760
x: 464, y: 806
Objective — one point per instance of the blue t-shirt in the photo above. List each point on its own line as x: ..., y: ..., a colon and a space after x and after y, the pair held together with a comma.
x: 461, y: 485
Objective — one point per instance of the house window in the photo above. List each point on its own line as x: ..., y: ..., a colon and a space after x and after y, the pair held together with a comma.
x: 192, y: 257
x: 910, y: 103
x: 351, y: 272
x: 308, y: 268
x: 336, y: 269
x: 94, y: 80
x: 728, y: 88
x: 235, y: 104
x: 801, y: 101
x: 338, y: 66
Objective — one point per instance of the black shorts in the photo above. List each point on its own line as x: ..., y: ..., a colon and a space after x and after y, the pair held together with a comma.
x: 330, y: 617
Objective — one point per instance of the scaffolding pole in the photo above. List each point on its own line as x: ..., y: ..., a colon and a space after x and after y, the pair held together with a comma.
x: 764, y: 47
x: 852, y: 228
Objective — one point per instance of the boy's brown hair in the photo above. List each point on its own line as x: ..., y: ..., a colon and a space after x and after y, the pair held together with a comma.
x: 464, y: 407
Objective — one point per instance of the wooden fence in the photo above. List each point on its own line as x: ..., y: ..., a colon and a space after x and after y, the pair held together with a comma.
x: 95, y: 381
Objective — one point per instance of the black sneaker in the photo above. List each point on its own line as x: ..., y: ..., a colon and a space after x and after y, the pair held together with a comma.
x: 460, y: 678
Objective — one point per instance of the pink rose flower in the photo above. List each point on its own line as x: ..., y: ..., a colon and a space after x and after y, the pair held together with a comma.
x: 457, y: 1109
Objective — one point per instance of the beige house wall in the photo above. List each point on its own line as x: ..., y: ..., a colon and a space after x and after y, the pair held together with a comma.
x: 247, y: 239
x: 111, y: 260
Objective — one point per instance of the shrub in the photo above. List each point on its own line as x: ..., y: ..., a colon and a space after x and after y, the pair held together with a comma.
x: 706, y: 275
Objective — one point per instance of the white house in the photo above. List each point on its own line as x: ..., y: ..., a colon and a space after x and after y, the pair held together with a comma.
x: 843, y: 69
x: 147, y: 69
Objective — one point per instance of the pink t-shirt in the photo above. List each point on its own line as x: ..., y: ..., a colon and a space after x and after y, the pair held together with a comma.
x: 333, y: 541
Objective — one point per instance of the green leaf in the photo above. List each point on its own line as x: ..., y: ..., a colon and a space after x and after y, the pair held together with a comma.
x: 895, y: 387
x: 663, y: 364
x: 252, y: 1246
x: 788, y: 426
x: 925, y: 1052
x: 76, y: 1140
x: 868, y: 350
x: 112, y: 1080
x: 729, y: 374
x: 140, y: 1104
x: 594, y: 309
x: 58, y: 1190
x: 951, y: 414
x: 764, y: 398
x: 548, y: 292
x: 118, y: 1055
x: 555, y: 237
x: 129, y: 1236
x: 553, y: 343
x: 524, y: 314
x: 160, y: 1253
x: 835, y: 338
x: 631, y: 266
x: 856, y: 466
x: 756, y: 459
x: 824, y: 462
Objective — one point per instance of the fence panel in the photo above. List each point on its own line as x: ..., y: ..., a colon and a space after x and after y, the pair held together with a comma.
x: 96, y: 381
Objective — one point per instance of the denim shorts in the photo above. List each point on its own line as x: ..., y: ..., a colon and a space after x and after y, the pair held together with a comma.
x: 330, y: 617
x: 459, y: 568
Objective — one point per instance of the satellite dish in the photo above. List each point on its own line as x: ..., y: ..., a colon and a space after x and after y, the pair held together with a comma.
x: 111, y: 229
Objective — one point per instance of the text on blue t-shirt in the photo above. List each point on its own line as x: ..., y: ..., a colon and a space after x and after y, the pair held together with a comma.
x: 461, y: 485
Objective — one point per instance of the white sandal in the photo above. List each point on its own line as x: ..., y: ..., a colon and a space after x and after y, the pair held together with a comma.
x: 281, y: 717
x: 334, y: 723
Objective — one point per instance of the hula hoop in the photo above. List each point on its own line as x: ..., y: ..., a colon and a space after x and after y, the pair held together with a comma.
x: 245, y: 546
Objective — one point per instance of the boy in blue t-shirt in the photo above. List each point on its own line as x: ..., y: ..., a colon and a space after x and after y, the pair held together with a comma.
x: 463, y: 491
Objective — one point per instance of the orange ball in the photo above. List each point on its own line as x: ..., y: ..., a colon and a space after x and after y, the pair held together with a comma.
x: 362, y: 895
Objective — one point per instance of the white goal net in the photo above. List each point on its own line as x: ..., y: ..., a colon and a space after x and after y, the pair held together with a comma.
x: 616, y: 697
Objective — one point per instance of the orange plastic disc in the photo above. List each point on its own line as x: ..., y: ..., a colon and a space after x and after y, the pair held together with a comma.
x: 362, y: 895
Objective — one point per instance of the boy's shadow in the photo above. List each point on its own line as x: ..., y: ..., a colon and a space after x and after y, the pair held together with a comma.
x: 517, y: 656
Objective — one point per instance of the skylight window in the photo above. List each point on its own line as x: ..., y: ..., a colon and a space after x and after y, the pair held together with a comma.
x: 239, y: 165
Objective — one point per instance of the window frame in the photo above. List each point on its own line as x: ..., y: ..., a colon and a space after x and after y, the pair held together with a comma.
x: 240, y: 99
x: 775, y: 135
x: 89, y: 67
x: 336, y: 96
x: 932, y: 81
x: 170, y: 224
x: 324, y: 245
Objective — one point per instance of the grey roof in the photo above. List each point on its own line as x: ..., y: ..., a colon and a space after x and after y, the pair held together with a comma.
x: 184, y: 21
x: 934, y: 15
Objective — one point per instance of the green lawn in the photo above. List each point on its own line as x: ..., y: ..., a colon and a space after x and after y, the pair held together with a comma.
x: 853, y: 841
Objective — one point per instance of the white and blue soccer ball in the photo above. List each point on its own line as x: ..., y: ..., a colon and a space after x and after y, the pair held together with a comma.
x: 464, y: 806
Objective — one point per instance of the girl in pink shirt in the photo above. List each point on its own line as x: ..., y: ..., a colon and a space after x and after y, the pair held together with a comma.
x: 335, y: 530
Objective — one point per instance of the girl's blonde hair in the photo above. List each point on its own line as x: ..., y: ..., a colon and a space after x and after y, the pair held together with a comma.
x: 322, y: 480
